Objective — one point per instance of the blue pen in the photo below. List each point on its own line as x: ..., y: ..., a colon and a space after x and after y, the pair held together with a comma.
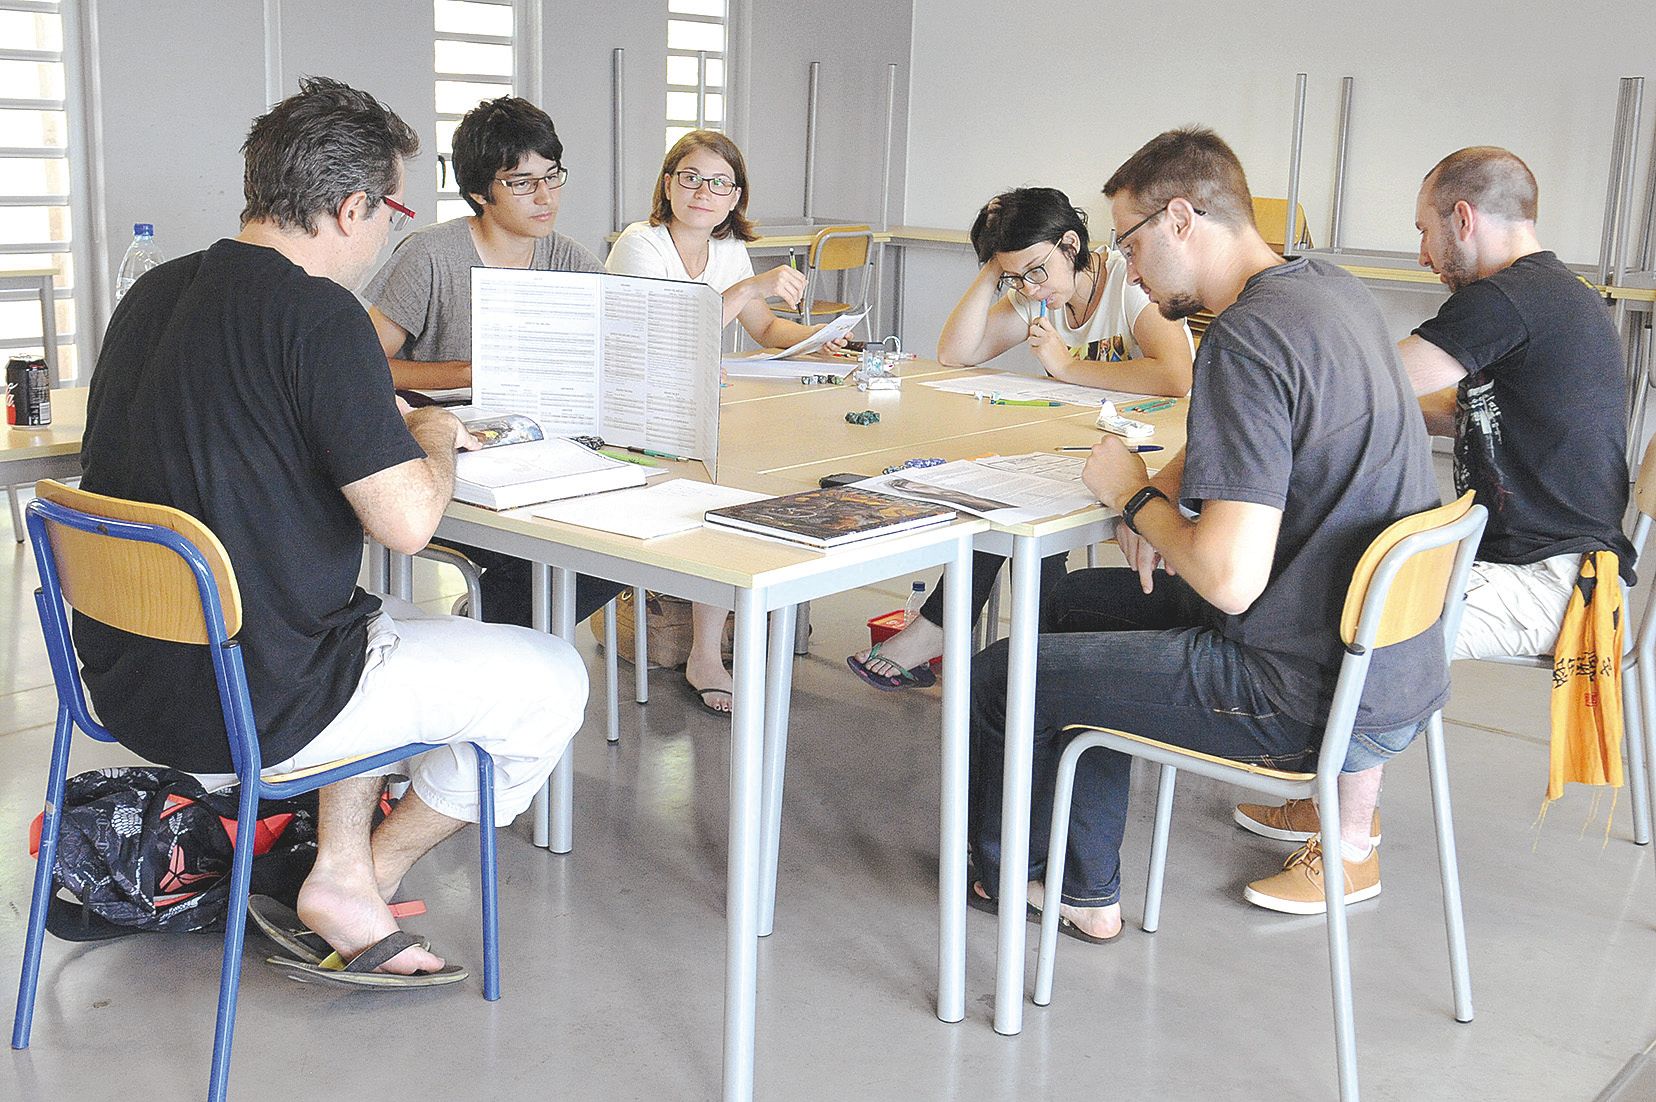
x: 1043, y: 308
x: 1130, y: 447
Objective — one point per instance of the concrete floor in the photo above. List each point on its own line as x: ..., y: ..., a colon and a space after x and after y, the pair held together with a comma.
x: 614, y: 954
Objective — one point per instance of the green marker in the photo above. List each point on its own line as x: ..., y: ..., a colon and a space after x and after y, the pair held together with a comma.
x: 1022, y: 402
x: 628, y: 458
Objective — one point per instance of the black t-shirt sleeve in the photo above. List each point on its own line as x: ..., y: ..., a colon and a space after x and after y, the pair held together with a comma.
x: 346, y: 408
x: 1240, y: 431
x: 1478, y: 325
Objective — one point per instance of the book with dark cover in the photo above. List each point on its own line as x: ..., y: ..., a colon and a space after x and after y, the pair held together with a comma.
x: 830, y: 518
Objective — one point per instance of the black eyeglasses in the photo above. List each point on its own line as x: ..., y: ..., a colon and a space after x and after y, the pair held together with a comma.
x: 1031, y: 277
x: 690, y: 180
x: 1126, y: 250
x: 528, y: 185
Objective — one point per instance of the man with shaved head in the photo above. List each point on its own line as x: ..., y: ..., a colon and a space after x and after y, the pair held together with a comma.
x: 1523, y: 367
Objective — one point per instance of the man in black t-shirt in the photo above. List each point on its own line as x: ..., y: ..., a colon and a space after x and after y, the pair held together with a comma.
x: 1304, y: 444
x: 245, y: 386
x: 1523, y: 367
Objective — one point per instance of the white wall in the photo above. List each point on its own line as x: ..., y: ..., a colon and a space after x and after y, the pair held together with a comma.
x: 1431, y: 77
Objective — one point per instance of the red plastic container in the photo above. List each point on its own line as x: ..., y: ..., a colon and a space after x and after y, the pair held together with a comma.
x: 884, y: 626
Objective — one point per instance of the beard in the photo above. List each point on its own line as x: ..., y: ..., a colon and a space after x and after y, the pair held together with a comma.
x: 1458, y: 268
x: 1180, y: 306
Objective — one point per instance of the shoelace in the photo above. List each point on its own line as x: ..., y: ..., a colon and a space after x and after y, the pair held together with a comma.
x: 1308, y: 854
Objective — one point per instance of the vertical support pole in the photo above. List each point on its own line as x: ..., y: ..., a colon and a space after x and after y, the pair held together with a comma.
x: 747, y: 737
x: 562, y: 782
x: 618, y: 144
x: 540, y: 618
x: 701, y: 89
x: 951, y: 872
x: 1290, y: 218
x: 811, y: 84
x: 1618, y: 148
x: 1343, y: 145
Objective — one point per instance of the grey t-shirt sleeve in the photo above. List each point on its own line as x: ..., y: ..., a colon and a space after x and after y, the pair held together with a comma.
x: 1240, y: 432
x: 405, y: 290
x: 569, y: 255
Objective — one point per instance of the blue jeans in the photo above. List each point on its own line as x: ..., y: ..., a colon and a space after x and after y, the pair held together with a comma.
x: 1116, y: 657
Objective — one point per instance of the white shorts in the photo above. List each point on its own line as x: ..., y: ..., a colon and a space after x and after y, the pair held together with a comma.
x: 1515, y: 610
x: 519, y: 694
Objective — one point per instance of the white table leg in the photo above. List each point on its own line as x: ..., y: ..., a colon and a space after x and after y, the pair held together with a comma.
x: 562, y: 782
x: 1016, y: 779
x: 778, y: 692
x: 641, y: 647
x: 540, y: 617
x: 747, y: 737
x: 612, y: 674
x: 951, y: 866
x: 18, y: 529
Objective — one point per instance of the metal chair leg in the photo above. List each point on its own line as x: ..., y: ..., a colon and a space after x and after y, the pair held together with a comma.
x: 235, y: 931
x: 641, y: 646
x: 1634, y: 732
x: 490, y: 879
x: 1092, y: 556
x: 802, y: 629
x: 991, y: 614
x: 1339, y: 938
x: 35, y: 936
x: 778, y: 694
x: 1454, y: 921
x: 612, y: 673
x: 1158, y: 848
x: 1046, y: 960
x: 17, y: 513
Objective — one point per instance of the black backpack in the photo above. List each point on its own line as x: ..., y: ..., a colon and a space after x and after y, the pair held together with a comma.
x: 149, y: 849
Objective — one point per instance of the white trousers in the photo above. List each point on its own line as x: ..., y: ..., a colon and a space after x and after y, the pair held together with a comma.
x: 1515, y: 610
x: 517, y: 693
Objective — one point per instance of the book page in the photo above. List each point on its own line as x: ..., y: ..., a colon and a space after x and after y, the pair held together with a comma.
x: 535, y: 346
x: 1006, y: 496
x: 651, y: 511
x: 660, y: 352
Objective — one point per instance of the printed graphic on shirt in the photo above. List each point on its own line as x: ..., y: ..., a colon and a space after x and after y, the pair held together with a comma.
x: 1478, y: 442
x: 1111, y: 350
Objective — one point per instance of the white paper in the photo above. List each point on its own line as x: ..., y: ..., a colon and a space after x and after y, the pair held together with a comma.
x: 833, y: 330
x: 1023, y: 388
x: 630, y: 359
x: 649, y: 511
x: 1006, y: 496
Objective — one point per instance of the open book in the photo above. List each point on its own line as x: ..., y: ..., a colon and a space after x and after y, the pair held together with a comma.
x: 520, y: 465
x: 630, y: 359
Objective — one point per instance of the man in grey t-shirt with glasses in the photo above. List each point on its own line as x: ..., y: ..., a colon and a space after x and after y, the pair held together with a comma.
x: 1305, y: 442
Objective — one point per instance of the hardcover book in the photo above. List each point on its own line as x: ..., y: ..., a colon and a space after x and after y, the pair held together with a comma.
x: 830, y: 518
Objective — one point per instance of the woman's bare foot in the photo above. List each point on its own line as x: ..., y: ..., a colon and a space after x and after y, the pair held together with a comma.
x: 918, y: 643
x: 708, y: 675
x: 348, y: 913
x: 1099, y: 922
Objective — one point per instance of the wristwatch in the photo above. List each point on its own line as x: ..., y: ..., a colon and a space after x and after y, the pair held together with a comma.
x: 1137, y: 502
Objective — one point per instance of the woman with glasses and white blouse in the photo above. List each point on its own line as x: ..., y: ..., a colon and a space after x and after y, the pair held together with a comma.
x: 698, y: 231
x: 1039, y: 285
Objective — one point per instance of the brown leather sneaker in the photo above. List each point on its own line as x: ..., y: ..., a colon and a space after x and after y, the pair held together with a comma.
x: 1294, y: 821
x: 1298, y: 888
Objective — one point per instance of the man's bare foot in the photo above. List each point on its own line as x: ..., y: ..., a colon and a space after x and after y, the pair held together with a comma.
x: 918, y: 643
x: 707, y: 672
x: 348, y: 913
x: 1099, y: 922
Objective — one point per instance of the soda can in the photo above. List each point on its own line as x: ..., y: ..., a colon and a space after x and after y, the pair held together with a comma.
x: 28, y: 393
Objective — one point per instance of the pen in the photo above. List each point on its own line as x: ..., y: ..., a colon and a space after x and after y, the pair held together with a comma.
x: 653, y: 454
x: 628, y: 458
x: 1152, y: 407
x: 1130, y: 447
x: 1043, y: 308
x: 1022, y: 402
x: 791, y: 263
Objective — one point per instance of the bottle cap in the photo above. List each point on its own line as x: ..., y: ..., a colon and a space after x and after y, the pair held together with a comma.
x: 143, y: 229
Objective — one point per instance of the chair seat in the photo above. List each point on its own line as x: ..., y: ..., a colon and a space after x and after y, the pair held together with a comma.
x: 1194, y: 755
x: 310, y: 770
x: 818, y: 307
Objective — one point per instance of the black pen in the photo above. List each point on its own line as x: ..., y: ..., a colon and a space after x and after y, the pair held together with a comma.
x: 1130, y: 447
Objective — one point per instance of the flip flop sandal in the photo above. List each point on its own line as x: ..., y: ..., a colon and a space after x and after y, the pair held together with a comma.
x: 282, y: 924
x: 360, y: 971
x: 920, y: 677
x: 701, y: 699
x: 992, y: 906
x: 1070, y: 929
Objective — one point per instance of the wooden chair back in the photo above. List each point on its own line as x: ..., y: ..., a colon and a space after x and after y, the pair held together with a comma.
x: 1644, y: 487
x: 143, y: 588
x: 840, y: 248
x: 1421, y: 588
x: 1270, y: 215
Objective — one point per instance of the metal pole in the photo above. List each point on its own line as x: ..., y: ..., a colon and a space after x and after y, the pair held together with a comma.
x: 810, y: 139
x: 1344, y: 146
x: 1290, y: 219
x: 890, y: 146
x: 1624, y: 202
x: 1618, y: 145
x: 701, y: 89
x: 618, y: 147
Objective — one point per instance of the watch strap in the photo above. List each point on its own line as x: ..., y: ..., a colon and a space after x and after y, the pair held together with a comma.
x: 1130, y: 510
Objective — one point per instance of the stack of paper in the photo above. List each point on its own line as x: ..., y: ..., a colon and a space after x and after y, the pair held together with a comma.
x: 1005, y: 489
x: 651, y: 511
x: 1025, y: 388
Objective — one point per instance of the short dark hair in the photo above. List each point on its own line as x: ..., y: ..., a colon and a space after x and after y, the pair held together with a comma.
x: 1192, y: 163
x: 495, y: 135
x: 736, y: 224
x: 306, y: 154
x: 1490, y: 178
x: 1026, y: 216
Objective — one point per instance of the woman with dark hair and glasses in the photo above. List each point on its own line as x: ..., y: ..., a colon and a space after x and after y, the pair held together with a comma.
x: 1085, y: 322
x: 698, y: 231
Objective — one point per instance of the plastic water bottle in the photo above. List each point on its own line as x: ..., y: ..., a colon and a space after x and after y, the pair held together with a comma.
x: 916, y: 598
x: 141, y: 256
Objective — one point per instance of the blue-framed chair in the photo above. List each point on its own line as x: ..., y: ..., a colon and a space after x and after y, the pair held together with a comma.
x: 1411, y: 576
x: 155, y: 571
